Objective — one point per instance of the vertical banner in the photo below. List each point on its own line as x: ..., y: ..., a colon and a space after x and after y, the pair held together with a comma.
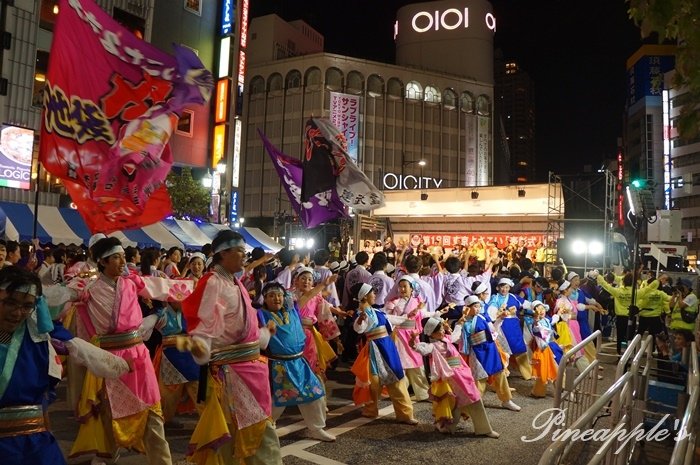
x: 111, y: 104
x: 470, y: 150
x: 345, y: 115
x: 483, y: 138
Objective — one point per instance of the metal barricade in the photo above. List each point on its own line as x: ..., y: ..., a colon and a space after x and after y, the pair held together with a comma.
x: 684, y: 449
x: 622, y: 395
x: 576, y: 386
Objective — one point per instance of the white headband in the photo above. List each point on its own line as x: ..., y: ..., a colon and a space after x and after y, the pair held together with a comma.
x: 480, y: 288
x: 229, y: 245
x: 30, y: 289
x: 364, y: 290
x: 507, y: 281
x: 199, y: 255
x: 564, y: 286
x: 431, y: 325
x: 112, y: 251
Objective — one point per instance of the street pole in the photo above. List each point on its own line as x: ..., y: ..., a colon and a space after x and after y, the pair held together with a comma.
x: 632, y: 323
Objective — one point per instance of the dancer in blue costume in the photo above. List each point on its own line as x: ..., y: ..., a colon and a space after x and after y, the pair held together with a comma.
x: 291, y: 377
x: 503, y: 309
x: 378, y: 363
x: 479, y: 348
x: 29, y: 369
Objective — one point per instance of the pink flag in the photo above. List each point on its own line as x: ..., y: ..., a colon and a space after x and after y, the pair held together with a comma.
x: 110, y: 105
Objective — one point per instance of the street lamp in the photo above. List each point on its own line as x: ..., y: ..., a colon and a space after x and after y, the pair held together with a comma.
x: 581, y: 247
x: 405, y: 162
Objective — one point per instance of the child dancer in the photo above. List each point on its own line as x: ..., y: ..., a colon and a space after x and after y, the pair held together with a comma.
x: 292, y: 380
x: 378, y: 363
x: 477, y: 343
x: 455, y: 394
x: 545, y: 353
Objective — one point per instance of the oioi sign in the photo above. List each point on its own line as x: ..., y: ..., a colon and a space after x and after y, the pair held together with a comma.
x: 449, y: 19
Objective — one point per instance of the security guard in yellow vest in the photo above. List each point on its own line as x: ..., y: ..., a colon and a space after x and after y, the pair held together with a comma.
x: 652, y: 308
x: 684, y: 307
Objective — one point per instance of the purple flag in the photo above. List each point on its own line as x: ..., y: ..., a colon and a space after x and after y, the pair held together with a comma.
x: 322, y: 207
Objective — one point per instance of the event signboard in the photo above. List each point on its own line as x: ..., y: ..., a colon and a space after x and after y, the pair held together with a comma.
x: 16, y: 147
x: 502, y: 240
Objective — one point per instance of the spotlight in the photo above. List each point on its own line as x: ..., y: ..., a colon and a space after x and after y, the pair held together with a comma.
x: 475, y: 195
x: 521, y: 192
x: 424, y: 196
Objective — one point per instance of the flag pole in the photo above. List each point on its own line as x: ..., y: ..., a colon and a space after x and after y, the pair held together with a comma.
x: 36, y: 198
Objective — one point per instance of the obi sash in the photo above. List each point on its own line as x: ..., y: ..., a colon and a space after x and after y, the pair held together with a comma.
x: 120, y: 341
x: 477, y: 338
x: 236, y: 353
x: 21, y: 419
x: 377, y: 333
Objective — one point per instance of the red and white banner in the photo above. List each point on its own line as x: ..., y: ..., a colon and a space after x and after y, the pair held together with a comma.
x: 502, y: 240
x: 110, y: 105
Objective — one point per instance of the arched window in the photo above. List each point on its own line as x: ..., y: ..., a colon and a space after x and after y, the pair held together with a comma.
x: 466, y: 102
x: 334, y: 79
x: 312, y: 79
x: 375, y: 86
x: 293, y: 79
x: 275, y: 82
x: 414, y: 91
x: 483, y: 105
x: 432, y: 95
x: 394, y: 88
x: 257, y: 85
x: 355, y: 82
x: 449, y: 99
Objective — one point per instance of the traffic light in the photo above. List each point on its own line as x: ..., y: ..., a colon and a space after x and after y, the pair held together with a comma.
x: 639, y: 183
x: 641, y: 199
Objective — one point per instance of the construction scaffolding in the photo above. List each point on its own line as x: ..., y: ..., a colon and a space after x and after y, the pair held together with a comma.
x: 555, y: 225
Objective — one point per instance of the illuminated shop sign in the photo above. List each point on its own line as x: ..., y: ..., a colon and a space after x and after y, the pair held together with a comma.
x: 219, y: 144
x: 224, y: 57
x: 237, y: 153
x: 449, y: 20
x: 221, y: 110
x: 393, y: 181
x: 16, y: 148
x: 227, y: 15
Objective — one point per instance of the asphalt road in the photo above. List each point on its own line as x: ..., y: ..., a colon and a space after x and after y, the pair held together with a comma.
x: 380, y: 441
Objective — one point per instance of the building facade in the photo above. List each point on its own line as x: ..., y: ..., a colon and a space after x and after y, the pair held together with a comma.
x: 682, y: 167
x: 643, y: 127
x: 407, y: 115
x: 514, y: 106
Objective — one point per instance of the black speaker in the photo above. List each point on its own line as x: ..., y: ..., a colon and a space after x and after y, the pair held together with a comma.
x: 424, y: 196
x: 475, y: 195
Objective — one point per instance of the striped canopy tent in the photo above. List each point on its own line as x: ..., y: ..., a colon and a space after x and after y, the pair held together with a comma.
x: 65, y: 226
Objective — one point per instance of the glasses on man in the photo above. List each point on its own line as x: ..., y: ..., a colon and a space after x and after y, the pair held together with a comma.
x: 11, y: 305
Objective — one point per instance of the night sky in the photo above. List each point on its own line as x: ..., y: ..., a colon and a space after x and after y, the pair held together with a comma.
x: 575, y: 52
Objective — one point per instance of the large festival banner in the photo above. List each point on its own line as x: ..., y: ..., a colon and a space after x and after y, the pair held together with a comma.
x: 319, y: 208
x: 502, y: 240
x: 110, y: 105
x: 345, y: 115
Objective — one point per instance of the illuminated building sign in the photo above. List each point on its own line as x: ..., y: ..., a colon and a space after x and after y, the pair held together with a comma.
x: 620, y: 195
x: 228, y: 14
x: 219, y: 144
x: 16, y: 148
x: 667, y: 150
x: 241, y: 68
x: 393, y: 181
x: 224, y: 57
x: 221, y: 110
x: 233, y: 215
x: 237, y: 153
x: 244, y: 24
x: 449, y: 20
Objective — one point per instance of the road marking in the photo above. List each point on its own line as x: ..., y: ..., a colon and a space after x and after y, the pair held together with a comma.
x: 298, y: 448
